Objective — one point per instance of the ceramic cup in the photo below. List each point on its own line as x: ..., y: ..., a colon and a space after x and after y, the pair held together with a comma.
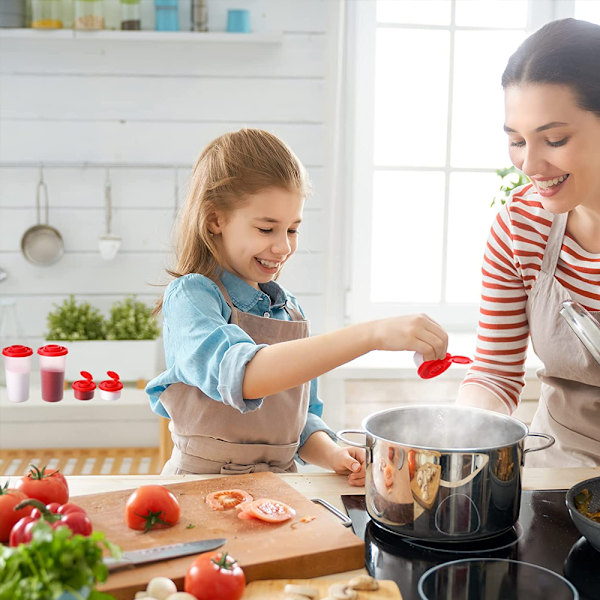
x: 109, y: 246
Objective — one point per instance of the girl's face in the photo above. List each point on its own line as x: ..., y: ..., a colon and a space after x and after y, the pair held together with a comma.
x: 256, y: 239
x: 556, y: 144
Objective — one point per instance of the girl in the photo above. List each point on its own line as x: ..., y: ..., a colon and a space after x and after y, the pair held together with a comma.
x: 544, y: 247
x: 240, y: 385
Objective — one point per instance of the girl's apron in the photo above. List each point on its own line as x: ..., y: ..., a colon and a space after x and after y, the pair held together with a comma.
x: 212, y: 437
x: 569, y: 406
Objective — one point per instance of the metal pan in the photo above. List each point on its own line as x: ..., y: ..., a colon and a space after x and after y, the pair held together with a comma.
x: 41, y: 244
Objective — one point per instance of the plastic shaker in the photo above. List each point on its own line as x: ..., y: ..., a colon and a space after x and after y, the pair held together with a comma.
x: 110, y: 389
x: 53, y: 359
x: 83, y: 389
x: 17, y: 365
x: 432, y: 368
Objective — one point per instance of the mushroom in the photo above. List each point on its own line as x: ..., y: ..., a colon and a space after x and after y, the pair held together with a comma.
x: 363, y: 582
x: 342, y: 591
x: 160, y: 588
x: 305, y: 591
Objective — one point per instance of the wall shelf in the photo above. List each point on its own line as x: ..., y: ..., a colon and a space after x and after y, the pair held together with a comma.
x: 214, y: 37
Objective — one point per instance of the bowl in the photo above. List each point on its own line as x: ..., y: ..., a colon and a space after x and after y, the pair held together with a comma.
x: 588, y: 528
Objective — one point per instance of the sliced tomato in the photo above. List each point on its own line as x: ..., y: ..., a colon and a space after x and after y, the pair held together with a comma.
x: 266, y: 509
x: 227, y: 499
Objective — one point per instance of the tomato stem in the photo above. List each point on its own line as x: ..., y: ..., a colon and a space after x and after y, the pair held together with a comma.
x: 224, y: 561
x: 153, y: 518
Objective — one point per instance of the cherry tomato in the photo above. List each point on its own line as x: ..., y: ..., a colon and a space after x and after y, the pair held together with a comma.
x: 215, y: 576
x: 226, y: 499
x: 45, y: 485
x: 265, y: 509
x: 9, y: 498
x: 151, y: 507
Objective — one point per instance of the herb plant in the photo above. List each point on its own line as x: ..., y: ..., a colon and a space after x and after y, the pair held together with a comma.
x: 55, y: 562
x: 131, y: 320
x: 73, y: 320
x: 511, y: 178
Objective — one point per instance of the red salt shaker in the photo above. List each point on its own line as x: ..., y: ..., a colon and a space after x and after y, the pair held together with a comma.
x: 432, y: 368
x: 110, y: 389
x: 83, y: 389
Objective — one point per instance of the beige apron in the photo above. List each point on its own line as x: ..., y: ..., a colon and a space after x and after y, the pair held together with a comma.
x: 569, y: 406
x: 212, y: 437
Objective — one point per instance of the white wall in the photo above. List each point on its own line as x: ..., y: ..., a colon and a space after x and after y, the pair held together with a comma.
x: 149, y: 106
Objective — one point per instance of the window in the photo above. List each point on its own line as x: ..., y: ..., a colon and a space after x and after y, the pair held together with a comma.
x: 426, y: 110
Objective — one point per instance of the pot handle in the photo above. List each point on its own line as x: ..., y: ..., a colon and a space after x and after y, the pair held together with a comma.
x: 547, y: 437
x: 340, y: 435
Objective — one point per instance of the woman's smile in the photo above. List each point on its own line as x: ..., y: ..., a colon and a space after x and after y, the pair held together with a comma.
x: 550, y: 187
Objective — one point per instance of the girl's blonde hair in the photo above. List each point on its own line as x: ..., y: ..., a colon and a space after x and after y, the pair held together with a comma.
x: 229, y: 169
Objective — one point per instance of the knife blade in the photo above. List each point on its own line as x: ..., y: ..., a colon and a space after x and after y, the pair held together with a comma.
x: 147, y: 555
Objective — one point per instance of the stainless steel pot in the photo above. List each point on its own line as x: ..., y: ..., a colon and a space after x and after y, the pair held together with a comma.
x: 443, y: 472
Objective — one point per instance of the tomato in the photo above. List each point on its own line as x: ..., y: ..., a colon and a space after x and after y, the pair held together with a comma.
x: 215, y: 576
x: 45, y: 485
x: 151, y: 507
x: 9, y: 498
x: 412, y: 463
x: 265, y: 509
x: 226, y: 499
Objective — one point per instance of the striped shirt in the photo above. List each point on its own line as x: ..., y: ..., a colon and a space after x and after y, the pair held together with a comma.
x: 511, y: 264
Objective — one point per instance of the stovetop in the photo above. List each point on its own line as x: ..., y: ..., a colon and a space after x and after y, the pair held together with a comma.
x: 544, y: 535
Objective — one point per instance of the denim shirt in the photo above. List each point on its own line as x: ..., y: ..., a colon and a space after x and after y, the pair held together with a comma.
x: 204, y: 350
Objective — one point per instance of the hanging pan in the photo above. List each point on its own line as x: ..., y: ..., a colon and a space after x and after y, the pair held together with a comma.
x: 41, y: 244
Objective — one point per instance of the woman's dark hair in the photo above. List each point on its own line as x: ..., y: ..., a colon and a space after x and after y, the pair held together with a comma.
x: 561, y: 52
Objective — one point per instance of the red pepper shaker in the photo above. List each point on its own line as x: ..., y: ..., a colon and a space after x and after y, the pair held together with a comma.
x: 83, y: 389
x: 432, y: 368
x: 110, y: 389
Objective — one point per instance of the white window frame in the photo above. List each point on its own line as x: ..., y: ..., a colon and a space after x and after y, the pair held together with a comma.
x: 359, y: 88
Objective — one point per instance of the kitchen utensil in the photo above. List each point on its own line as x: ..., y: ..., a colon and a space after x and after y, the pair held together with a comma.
x: 274, y: 589
x: 41, y: 244
x: 53, y: 359
x: 588, y: 528
x: 17, y: 365
x: 108, y: 243
x: 110, y: 389
x: 83, y: 389
x: 446, y: 445
x: 584, y: 325
x: 149, y: 555
x: 432, y: 368
x: 265, y: 551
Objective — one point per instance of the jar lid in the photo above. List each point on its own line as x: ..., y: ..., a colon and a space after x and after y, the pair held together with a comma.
x: 84, y: 385
x: 130, y: 1
x: 433, y: 368
x: 111, y: 385
x: 17, y: 351
x: 52, y: 350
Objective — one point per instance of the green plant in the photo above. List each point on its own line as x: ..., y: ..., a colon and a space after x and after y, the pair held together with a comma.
x: 73, y: 320
x: 511, y: 178
x: 131, y: 320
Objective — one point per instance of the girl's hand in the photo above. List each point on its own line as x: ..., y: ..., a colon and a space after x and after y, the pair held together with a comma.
x: 419, y: 333
x: 351, y: 461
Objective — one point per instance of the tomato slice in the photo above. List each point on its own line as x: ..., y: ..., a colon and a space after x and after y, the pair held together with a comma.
x: 227, y: 499
x: 266, y: 509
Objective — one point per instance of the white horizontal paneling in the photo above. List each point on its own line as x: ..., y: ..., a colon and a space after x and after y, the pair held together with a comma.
x: 151, y: 142
x: 182, y: 99
x: 297, y: 56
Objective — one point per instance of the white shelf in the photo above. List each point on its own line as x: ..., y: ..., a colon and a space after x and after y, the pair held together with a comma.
x: 216, y: 37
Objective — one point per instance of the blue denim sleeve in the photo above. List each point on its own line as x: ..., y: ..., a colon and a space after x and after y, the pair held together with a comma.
x: 201, y: 348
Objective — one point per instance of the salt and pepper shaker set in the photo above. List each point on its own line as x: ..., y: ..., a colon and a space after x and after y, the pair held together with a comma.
x: 17, y: 364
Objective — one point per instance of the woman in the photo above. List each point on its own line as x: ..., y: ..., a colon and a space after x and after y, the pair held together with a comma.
x: 544, y: 247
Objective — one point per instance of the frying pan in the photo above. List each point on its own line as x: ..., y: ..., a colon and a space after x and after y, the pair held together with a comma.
x: 41, y: 244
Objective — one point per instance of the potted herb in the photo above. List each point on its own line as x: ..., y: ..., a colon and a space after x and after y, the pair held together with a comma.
x: 510, y: 179
x: 126, y: 341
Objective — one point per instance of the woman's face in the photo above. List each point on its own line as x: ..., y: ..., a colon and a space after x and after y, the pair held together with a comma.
x: 555, y: 143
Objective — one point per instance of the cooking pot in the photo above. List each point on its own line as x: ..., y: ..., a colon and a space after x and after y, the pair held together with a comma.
x: 443, y: 472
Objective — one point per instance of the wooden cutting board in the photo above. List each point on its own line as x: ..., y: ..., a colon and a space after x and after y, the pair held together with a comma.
x: 273, y: 590
x: 264, y: 550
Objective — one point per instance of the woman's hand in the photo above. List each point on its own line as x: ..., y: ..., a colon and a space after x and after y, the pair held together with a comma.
x: 351, y: 461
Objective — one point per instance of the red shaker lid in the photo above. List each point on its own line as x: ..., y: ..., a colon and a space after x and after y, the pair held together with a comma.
x: 86, y: 384
x: 111, y: 385
x: 433, y: 368
x: 52, y: 350
x: 17, y: 351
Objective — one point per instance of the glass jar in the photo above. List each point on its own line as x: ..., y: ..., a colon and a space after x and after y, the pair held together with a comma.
x: 130, y: 15
x: 46, y: 14
x: 167, y: 15
x: 89, y: 14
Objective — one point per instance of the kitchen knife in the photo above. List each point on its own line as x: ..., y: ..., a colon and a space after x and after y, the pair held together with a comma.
x: 139, y: 557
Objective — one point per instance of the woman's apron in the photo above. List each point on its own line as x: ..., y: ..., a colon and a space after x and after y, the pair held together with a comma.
x: 212, y: 437
x: 569, y: 406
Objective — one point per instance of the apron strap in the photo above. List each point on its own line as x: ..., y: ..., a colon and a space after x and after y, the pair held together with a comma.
x: 554, y: 244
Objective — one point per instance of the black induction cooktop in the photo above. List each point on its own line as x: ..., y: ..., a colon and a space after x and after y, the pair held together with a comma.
x: 544, y: 538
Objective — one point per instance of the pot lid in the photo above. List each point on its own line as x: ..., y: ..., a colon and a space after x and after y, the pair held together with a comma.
x: 17, y: 351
